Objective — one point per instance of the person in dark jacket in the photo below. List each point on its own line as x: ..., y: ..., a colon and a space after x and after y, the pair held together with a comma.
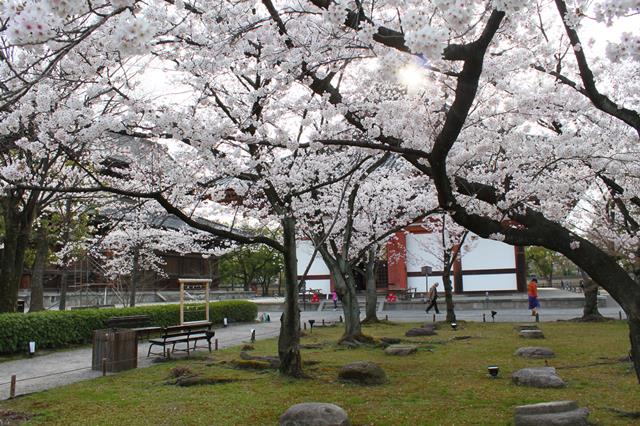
x: 433, y: 298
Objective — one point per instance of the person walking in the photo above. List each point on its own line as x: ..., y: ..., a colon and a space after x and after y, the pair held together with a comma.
x: 334, y: 297
x: 532, y: 292
x: 433, y: 298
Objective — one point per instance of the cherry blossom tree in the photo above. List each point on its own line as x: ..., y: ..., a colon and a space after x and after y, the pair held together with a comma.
x: 497, y: 102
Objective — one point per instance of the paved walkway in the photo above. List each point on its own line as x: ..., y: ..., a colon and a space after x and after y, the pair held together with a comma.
x: 69, y: 366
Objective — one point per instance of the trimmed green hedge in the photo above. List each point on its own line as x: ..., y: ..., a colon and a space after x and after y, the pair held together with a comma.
x: 56, y: 329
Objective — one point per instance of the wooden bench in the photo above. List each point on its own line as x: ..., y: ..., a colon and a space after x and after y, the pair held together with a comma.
x: 185, y: 333
x: 137, y: 323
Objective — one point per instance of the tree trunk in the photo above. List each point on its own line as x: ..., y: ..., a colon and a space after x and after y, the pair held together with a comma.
x: 372, y: 296
x: 590, y: 288
x: 8, y: 286
x: 133, y: 285
x: 37, y: 273
x: 63, y: 288
x: 289, y: 340
x: 17, y: 232
x: 446, y: 282
x: 345, y: 287
x: 634, y: 337
x: 351, y: 309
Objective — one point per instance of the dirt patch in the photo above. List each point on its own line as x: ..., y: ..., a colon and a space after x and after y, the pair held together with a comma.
x: 12, y: 418
x: 178, y: 372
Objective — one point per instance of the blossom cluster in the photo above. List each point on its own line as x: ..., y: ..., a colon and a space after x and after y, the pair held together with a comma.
x: 629, y: 47
x: 132, y: 35
x: 427, y: 40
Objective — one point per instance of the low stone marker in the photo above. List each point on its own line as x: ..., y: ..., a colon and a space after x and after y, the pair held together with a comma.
x: 390, y: 340
x: 537, y: 352
x: 421, y: 331
x: 532, y: 334
x: 556, y: 413
x: 315, y: 414
x: 520, y: 327
x: 539, y: 377
x: 363, y: 373
x: 401, y: 350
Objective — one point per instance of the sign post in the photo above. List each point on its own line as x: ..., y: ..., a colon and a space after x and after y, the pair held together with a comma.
x: 198, y: 285
x: 427, y: 270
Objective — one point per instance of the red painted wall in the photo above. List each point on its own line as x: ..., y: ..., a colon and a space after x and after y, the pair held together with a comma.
x: 397, y: 255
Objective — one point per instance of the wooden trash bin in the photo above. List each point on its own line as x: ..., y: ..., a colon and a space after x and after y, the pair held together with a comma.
x: 119, y: 346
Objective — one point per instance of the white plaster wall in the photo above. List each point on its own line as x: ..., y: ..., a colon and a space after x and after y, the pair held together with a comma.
x: 323, y: 286
x: 304, y: 251
x: 420, y: 284
x: 488, y: 254
x: 423, y: 250
x: 489, y: 282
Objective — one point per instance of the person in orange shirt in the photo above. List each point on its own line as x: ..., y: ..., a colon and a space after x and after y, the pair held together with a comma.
x: 532, y: 292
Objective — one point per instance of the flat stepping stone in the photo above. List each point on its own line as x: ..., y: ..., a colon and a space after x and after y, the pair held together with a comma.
x: 315, y: 414
x: 421, y: 331
x: 363, y: 373
x: 390, y: 340
x: 401, y: 350
x: 536, y: 352
x: 520, y: 327
x: 532, y: 334
x: 539, y: 377
x: 555, y: 413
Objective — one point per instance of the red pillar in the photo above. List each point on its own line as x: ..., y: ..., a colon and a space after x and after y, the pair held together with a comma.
x: 521, y: 269
x: 397, y: 261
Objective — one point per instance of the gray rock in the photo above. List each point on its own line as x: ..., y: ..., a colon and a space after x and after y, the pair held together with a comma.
x: 422, y: 331
x: 556, y: 413
x: 363, y: 373
x: 390, y: 340
x: 532, y: 334
x: 315, y: 414
x: 520, y: 327
x: 401, y: 350
x: 538, y: 352
x: 540, y: 377
x: 273, y: 361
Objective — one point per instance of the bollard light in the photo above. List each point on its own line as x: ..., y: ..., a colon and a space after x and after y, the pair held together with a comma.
x: 493, y: 371
x: 225, y: 322
x: 32, y: 348
x: 454, y: 326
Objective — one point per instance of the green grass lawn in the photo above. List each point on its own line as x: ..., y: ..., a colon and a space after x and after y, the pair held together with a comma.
x: 445, y: 383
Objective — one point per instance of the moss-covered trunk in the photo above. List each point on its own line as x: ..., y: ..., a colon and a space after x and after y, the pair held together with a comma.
x: 289, y: 339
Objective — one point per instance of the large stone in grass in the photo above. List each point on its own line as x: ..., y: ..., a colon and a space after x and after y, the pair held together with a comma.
x: 532, y: 334
x: 556, y: 413
x: 421, y: 331
x: 538, y: 352
x: 401, y: 350
x: 315, y: 414
x: 390, y: 340
x: 363, y: 373
x: 539, y: 377
x: 520, y: 327
x: 273, y: 361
